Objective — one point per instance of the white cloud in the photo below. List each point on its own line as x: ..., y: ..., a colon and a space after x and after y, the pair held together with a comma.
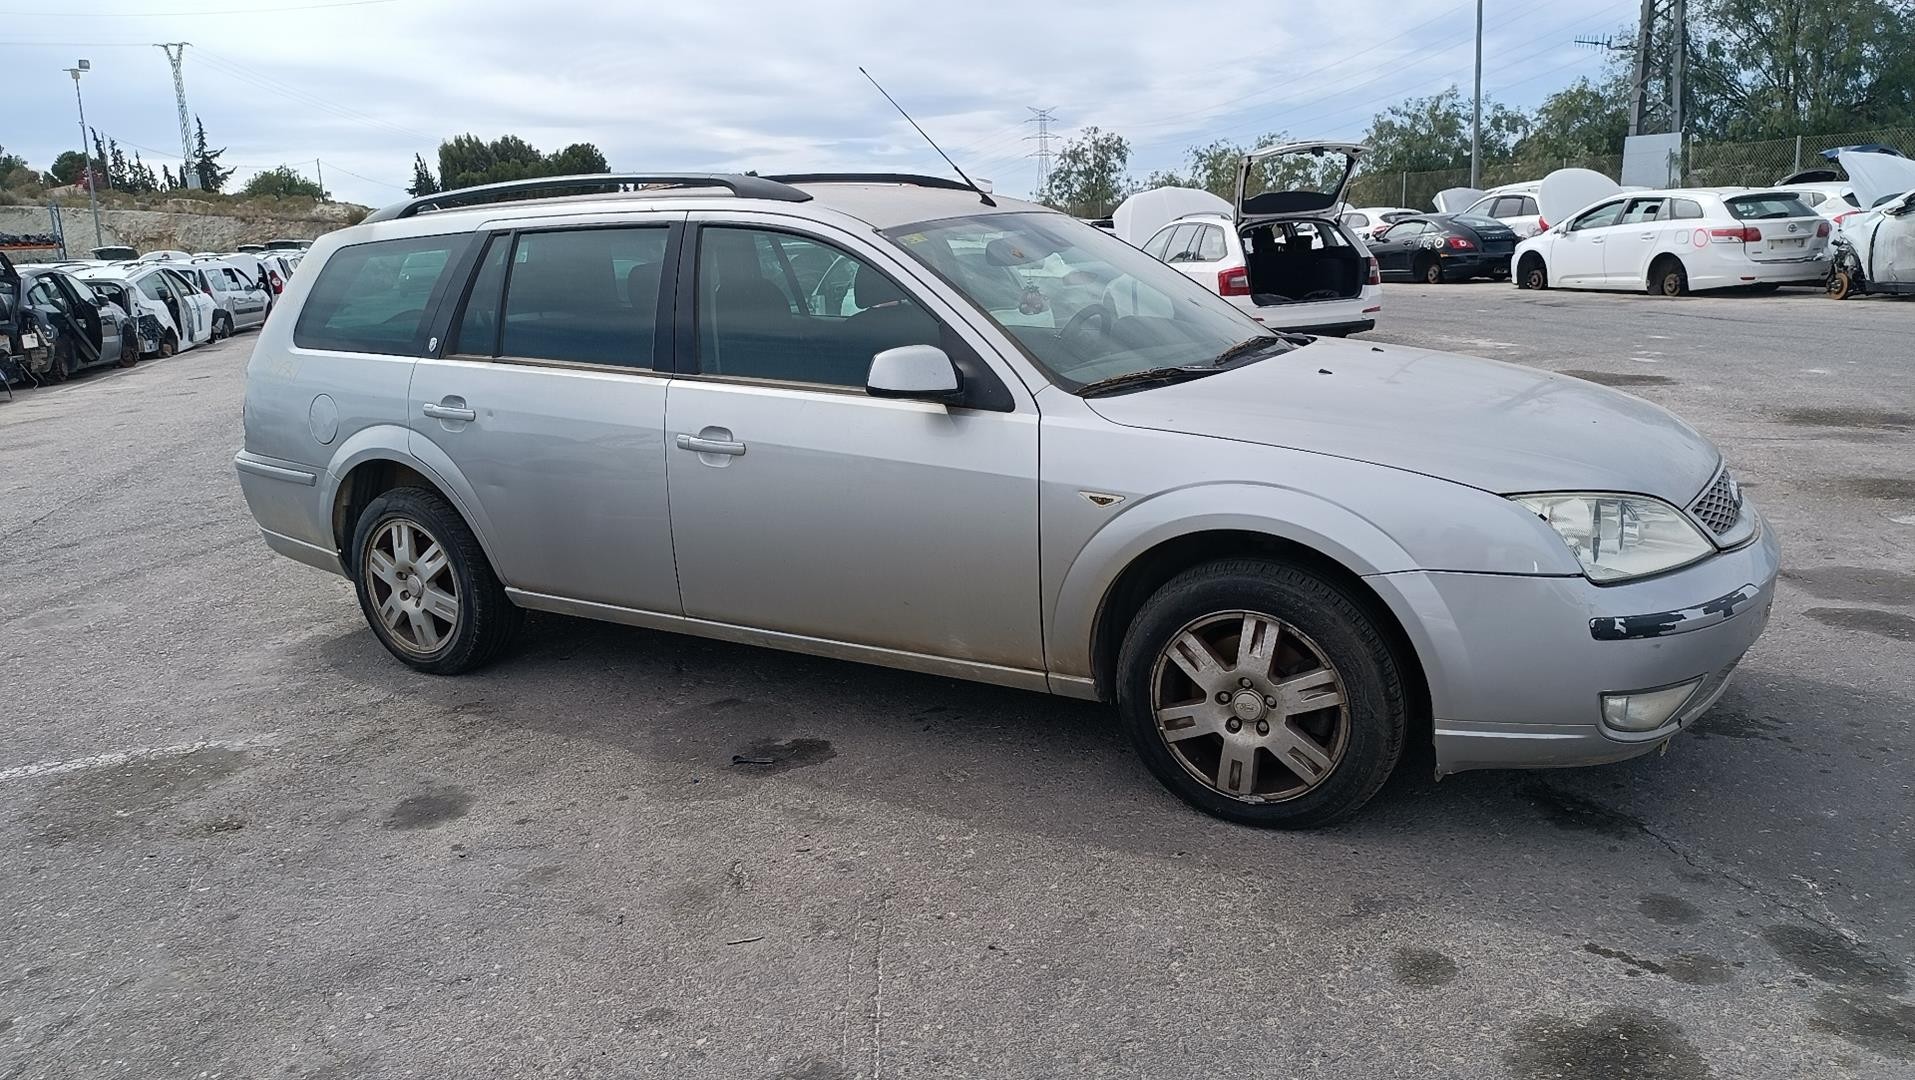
x: 749, y: 84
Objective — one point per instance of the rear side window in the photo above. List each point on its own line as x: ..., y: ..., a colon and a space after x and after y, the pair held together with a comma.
x: 1509, y: 206
x: 588, y: 296
x: 1766, y: 207
x: 372, y: 298
x: 1210, y: 246
x: 1686, y: 210
x: 1811, y: 198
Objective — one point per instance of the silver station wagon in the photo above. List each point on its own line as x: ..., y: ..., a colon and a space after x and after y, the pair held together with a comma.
x: 895, y: 419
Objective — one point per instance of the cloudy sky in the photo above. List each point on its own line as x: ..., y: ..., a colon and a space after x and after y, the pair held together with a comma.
x: 364, y: 84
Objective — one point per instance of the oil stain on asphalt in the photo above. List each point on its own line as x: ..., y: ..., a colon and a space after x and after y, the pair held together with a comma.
x: 1424, y: 969
x: 1621, y: 378
x: 1855, y: 584
x: 1573, y: 813
x: 1879, y: 1024
x: 1880, y: 419
x: 1616, y: 1043
x: 1892, y: 488
x: 766, y: 756
x: 1833, y: 959
x: 432, y: 807
x: 1888, y: 624
x: 90, y: 805
x: 1672, y: 910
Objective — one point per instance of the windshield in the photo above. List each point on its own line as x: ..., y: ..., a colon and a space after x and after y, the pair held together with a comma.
x: 1085, y: 306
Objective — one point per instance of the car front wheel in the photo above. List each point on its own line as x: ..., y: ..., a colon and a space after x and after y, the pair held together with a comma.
x: 1534, y: 275
x: 1262, y: 693
x: 425, y: 585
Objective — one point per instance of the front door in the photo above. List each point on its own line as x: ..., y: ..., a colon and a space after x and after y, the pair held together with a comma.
x: 1577, y: 256
x: 548, y: 401
x: 802, y: 505
x: 1396, y: 249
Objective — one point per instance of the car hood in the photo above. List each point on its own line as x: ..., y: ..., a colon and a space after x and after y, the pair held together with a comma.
x: 1490, y: 425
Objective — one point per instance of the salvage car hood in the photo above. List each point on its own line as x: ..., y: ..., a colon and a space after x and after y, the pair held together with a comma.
x: 1494, y: 426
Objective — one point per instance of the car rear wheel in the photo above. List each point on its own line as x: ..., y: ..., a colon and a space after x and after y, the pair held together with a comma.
x: 222, y: 326
x: 1841, y: 285
x: 1429, y: 271
x: 1668, y: 278
x: 425, y: 585
x: 1533, y: 275
x: 170, y: 344
x: 1261, y: 693
x: 129, y: 348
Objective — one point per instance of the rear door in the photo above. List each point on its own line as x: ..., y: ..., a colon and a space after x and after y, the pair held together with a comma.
x: 548, y: 401
x: 1636, y: 239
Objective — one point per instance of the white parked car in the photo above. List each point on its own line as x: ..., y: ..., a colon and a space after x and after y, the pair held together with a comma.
x: 1370, y: 222
x: 1875, y: 251
x: 1679, y: 241
x: 164, y: 256
x: 1282, y: 256
x: 242, y: 300
x: 182, y: 314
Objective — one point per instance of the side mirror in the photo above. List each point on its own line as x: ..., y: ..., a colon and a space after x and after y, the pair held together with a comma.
x: 917, y: 372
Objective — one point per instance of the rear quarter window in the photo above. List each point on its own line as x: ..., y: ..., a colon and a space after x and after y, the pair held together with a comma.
x: 373, y: 297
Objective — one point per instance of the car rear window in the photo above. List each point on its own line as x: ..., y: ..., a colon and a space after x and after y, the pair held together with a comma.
x: 1769, y: 206
x: 372, y: 298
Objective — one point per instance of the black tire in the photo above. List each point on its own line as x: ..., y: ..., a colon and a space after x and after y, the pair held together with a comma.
x: 129, y: 347
x: 1335, y: 624
x: 170, y: 344
x: 59, y: 369
x: 222, y: 326
x: 487, y: 620
x: 1668, y: 278
x: 1429, y: 271
x: 1533, y: 274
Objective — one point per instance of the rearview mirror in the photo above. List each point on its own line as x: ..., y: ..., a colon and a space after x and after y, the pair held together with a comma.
x: 917, y: 372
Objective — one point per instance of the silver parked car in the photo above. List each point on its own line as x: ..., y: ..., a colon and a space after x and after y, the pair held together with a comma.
x: 1011, y: 449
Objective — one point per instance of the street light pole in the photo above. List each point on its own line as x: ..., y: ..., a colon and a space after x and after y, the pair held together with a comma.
x: 1476, y: 124
x: 86, y: 150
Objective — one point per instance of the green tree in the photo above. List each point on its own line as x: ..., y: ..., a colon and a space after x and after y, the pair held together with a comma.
x: 167, y: 181
x: 283, y: 182
x: 1773, y: 68
x: 117, y: 172
x: 14, y: 170
x: 206, y: 161
x: 423, y: 182
x: 1429, y: 133
x: 1583, y: 119
x: 140, y: 178
x: 67, y: 168
x: 467, y: 161
x: 101, y: 175
x: 1089, y: 178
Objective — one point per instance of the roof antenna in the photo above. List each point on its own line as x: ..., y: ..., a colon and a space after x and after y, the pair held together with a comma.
x: 982, y: 195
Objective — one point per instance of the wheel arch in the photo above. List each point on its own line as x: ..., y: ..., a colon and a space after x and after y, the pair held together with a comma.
x: 379, y: 459
x: 1119, y: 567
x: 1656, y: 262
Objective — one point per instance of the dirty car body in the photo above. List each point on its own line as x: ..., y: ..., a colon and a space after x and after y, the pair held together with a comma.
x: 1063, y: 451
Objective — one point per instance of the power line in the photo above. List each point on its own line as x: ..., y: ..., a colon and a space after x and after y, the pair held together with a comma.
x: 234, y: 69
x: 340, y: 168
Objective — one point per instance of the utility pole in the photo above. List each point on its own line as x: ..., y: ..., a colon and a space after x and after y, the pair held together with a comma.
x: 86, y: 149
x: 1476, y: 123
x: 320, y: 169
x: 1657, y: 98
x: 1043, y: 119
x: 175, y: 53
x: 1678, y: 63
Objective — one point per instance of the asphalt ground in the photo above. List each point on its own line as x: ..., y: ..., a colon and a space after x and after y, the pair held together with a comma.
x: 237, y: 840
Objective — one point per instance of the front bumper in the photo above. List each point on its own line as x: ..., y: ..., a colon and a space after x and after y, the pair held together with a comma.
x: 1517, y: 665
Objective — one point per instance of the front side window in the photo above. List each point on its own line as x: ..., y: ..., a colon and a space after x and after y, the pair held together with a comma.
x: 748, y: 327
x: 1608, y: 214
x: 1159, y: 245
x: 372, y: 297
x: 154, y: 286
x: 1113, y: 311
x: 1357, y: 221
x: 1183, y: 244
x: 1406, y: 230
x: 587, y: 296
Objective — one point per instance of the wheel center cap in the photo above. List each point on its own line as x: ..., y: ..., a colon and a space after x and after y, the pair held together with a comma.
x: 1247, y: 705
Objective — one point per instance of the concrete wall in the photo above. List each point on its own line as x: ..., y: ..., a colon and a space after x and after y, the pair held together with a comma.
x: 180, y: 229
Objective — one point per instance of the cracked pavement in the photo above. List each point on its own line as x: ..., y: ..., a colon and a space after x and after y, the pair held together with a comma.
x: 237, y: 839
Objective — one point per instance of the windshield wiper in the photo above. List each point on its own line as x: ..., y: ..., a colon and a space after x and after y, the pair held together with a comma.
x: 1143, y: 378
x: 1254, y: 345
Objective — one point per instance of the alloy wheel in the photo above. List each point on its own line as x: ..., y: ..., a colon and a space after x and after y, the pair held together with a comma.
x: 1250, y: 706
x: 413, y: 589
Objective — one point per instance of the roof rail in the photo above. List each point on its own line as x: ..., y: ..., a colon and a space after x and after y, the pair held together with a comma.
x: 912, y: 179
x: 743, y: 186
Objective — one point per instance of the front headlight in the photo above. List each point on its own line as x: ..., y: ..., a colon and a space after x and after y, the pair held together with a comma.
x: 1617, y: 537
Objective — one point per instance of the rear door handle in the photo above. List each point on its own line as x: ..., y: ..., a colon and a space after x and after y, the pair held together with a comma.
x: 1648, y: 236
x: 442, y: 411
x: 710, y: 446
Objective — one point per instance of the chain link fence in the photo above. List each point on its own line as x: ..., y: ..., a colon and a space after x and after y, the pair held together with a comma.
x: 1705, y: 164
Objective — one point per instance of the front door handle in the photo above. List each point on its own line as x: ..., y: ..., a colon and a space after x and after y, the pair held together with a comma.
x: 449, y: 409
x: 696, y: 444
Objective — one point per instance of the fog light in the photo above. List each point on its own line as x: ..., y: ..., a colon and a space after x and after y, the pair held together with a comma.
x: 1646, y: 710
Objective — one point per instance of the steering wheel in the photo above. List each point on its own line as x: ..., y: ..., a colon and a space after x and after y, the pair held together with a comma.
x: 1076, y: 323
